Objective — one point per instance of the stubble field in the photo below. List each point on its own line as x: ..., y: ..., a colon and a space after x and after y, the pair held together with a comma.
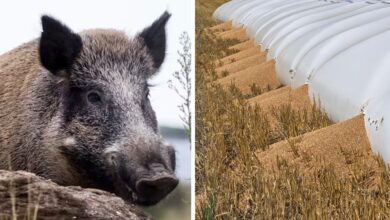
x: 263, y: 151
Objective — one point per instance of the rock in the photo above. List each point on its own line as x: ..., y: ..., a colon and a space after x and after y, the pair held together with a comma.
x: 32, y: 197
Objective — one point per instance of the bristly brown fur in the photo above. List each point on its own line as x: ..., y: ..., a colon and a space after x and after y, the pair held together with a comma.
x: 51, y: 126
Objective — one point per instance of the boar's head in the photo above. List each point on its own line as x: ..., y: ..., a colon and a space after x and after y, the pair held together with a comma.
x: 104, y: 125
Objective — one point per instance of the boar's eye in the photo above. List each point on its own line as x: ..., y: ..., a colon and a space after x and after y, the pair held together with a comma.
x: 94, y: 97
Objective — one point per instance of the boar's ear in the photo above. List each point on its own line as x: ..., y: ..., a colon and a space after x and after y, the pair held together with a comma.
x: 155, y: 40
x: 58, y: 47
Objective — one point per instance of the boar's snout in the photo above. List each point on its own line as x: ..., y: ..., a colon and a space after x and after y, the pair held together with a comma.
x: 152, y: 189
x: 146, y: 181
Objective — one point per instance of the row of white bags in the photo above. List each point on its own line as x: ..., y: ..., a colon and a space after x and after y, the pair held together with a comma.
x: 341, y: 49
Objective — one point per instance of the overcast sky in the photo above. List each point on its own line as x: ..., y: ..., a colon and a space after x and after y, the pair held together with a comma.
x: 20, y: 22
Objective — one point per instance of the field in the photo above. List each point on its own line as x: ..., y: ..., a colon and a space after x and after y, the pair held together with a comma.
x: 263, y: 151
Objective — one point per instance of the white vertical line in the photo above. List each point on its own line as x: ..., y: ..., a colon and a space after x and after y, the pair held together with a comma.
x: 193, y: 148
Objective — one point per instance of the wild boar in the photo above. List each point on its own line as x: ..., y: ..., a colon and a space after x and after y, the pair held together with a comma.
x: 74, y: 108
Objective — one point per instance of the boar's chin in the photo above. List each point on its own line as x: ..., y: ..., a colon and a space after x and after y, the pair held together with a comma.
x: 124, y: 191
x: 127, y: 194
x: 130, y: 195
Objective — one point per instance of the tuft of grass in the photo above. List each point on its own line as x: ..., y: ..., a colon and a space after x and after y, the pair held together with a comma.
x: 255, y: 90
x: 16, y: 211
x: 208, y: 209
x: 292, y: 122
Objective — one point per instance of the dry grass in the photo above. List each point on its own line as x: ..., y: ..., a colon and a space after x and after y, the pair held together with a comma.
x: 293, y: 122
x: 231, y: 182
x: 31, y: 210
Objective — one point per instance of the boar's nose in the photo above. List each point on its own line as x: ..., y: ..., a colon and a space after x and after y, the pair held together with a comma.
x: 154, y: 188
